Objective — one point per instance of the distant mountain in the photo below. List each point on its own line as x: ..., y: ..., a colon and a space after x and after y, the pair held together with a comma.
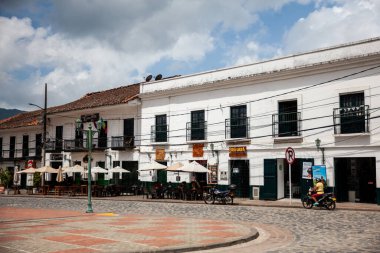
x: 6, y: 113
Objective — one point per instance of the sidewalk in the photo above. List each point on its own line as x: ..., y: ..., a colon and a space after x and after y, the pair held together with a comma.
x: 284, y: 203
x: 58, y: 231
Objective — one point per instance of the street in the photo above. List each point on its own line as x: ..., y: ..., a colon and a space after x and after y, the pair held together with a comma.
x: 280, y: 229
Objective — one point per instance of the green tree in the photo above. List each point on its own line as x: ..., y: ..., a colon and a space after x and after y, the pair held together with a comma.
x: 5, y: 177
x: 36, y: 179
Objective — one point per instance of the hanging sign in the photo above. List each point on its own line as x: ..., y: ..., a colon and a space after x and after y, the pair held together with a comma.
x: 198, y: 150
x: 160, y: 154
x: 238, y: 151
x: 90, y: 117
x: 213, y: 176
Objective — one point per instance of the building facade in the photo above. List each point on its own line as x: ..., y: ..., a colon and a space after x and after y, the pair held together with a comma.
x: 240, y: 121
x: 67, y: 142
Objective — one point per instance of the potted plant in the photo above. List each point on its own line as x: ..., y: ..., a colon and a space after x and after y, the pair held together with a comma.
x: 36, y: 182
x: 5, y: 178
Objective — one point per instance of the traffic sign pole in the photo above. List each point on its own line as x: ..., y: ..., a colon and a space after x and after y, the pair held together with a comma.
x: 290, y: 156
x: 290, y: 183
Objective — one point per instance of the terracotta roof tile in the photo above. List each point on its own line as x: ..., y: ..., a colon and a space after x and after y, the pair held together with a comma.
x: 120, y: 95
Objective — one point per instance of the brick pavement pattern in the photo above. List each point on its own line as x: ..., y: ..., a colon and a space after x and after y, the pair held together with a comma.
x: 282, y: 226
x: 59, y: 231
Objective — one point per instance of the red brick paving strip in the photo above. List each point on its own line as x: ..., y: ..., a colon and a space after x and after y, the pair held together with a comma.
x: 161, y: 242
x: 79, y: 250
x: 79, y: 240
x: 12, y: 213
x: 11, y: 238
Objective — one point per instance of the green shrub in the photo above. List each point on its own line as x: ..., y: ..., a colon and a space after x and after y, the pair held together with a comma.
x: 5, y: 177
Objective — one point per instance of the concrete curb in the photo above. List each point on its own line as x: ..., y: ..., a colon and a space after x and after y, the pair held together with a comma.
x: 262, y: 203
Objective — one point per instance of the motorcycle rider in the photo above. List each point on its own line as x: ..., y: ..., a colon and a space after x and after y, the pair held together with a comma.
x: 319, y: 191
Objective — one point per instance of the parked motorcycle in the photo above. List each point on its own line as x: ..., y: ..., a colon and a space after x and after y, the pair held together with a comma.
x: 327, y: 200
x: 222, y: 197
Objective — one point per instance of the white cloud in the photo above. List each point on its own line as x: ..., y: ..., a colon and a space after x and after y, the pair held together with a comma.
x: 338, y: 22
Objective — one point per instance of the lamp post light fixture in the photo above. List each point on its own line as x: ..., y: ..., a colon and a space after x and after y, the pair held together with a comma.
x: 318, y: 145
x: 44, y: 131
x: 90, y: 134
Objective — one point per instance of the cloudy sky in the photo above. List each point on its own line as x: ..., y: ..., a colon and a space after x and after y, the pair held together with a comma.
x: 81, y: 46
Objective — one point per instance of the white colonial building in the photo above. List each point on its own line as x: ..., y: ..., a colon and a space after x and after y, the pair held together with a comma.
x: 113, y: 142
x: 239, y: 122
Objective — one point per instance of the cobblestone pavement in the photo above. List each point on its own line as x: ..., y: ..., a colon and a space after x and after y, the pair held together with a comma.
x: 280, y: 229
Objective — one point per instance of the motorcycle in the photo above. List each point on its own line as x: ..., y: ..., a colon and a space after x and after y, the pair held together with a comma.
x: 222, y: 197
x: 327, y: 200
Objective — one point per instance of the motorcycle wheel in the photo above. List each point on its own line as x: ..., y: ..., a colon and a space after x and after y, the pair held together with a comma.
x: 307, y: 203
x: 208, y: 199
x: 330, y: 205
x: 229, y: 200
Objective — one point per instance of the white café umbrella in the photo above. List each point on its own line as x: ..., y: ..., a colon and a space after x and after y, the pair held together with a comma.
x: 98, y: 169
x: 47, y: 169
x: 28, y: 171
x: 175, y: 167
x: 74, y: 169
x: 118, y: 169
x: 195, y: 167
x: 152, y: 166
x: 60, y: 175
x: 16, y: 176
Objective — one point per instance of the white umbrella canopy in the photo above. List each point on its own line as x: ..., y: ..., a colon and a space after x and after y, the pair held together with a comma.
x: 176, y: 167
x: 27, y: 171
x: 47, y: 169
x: 98, y: 169
x: 195, y: 167
x: 16, y: 176
x: 118, y: 169
x: 152, y: 166
x: 60, y: 175
x: 75, y: 169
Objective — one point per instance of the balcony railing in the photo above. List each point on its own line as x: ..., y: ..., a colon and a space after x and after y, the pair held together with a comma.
x: 122, y: 142
x: 159, y: 133
x: 237, y: 128
x: 54, y: 145
x: 74, y: 145
x: 196, y: 131
x: 349, y: 120
x: 286, y: 124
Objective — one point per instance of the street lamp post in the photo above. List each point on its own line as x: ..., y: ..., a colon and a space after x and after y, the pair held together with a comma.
x: 318, y: 144
x: 90, y: 133
x: 44, y: 131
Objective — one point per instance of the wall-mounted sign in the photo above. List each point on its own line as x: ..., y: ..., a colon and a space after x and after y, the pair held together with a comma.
x: 238, y: 151
x: 235, y: 170
x: 56, y: 157
x: 90, y: 117
x: 198, y: 150
x: 160, y: 154
x: 30, y: 164
x: 213, y: 176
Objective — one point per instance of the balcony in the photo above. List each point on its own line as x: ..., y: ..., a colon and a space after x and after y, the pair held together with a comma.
x: 159, y: 133
x: 76, y: 145
x: 286, y: 124
x: 53, y: 146
x: 122, y: 142
x: 351, y: 120
x: 80, y: 145
x: 237, y: 128
x: 196, y: 131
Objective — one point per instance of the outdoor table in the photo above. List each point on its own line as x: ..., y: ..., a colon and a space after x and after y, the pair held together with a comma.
x: 45, y: 189
x: 58, y: 189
